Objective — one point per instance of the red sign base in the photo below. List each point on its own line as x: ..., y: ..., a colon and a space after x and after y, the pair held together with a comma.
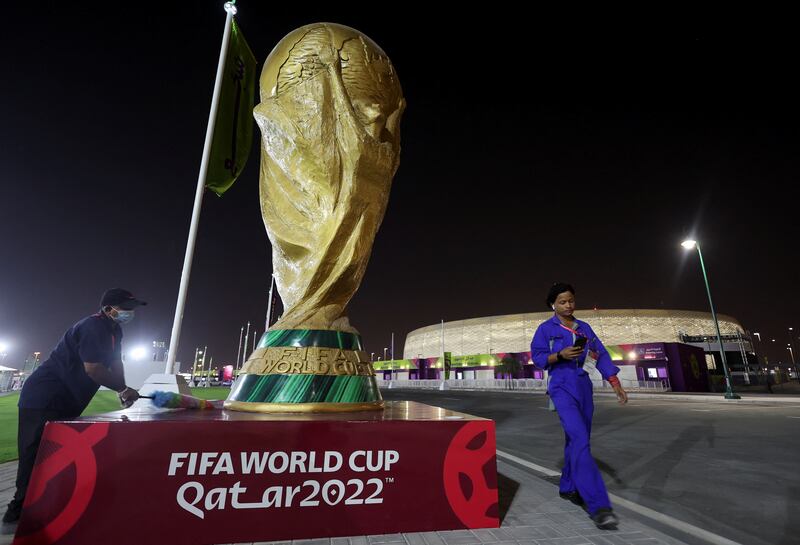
x: 204, y: 477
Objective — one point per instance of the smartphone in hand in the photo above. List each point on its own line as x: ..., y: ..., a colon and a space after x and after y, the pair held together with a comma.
x: 580, y: 342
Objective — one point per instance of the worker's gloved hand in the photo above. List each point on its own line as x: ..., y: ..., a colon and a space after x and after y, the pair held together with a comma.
x: 127, y: 397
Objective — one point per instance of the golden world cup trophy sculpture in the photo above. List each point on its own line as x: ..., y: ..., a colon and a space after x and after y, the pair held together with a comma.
x: 330, y: 126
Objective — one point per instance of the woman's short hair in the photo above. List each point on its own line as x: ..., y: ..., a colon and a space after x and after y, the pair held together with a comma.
x: 555, y: 289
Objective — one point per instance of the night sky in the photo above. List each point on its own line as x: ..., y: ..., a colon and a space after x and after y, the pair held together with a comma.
x: 534, y: 149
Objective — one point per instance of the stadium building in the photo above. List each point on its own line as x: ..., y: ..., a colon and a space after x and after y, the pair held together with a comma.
x: 676, y: 347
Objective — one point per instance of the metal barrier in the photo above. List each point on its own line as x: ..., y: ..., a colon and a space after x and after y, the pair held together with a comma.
x: 496, y: 384
x: 524, y: 384
x: 661, y: 385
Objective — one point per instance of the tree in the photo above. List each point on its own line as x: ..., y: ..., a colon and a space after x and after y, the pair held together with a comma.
x: 510, y: 365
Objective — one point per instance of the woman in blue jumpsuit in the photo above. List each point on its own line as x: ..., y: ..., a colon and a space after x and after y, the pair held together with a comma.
x: 570, y: 388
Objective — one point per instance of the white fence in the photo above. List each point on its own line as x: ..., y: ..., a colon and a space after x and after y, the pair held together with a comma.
x: 466, y: 384
x: 6, y: 380
x: 526, y: 384
x: 661, y: 385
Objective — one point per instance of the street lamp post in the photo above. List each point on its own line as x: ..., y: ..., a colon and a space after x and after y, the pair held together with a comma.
x: 729, y: 393
x: 794, y: 363
x: 394, y: 375
x: 757, y: 335
x: 791, y: 351
x: 777, y: 368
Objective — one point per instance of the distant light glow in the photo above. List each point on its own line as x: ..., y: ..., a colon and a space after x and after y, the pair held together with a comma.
x: 689, y: 244
x: 631, y: 355
x: 139, y: 353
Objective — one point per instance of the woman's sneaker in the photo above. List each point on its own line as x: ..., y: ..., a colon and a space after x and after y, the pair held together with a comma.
x: 605, y: 519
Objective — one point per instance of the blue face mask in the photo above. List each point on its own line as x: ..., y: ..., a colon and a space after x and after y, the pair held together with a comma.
x: 123, y: 316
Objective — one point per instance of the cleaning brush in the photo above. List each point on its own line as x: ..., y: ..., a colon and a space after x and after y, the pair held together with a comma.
x: 174, y: 400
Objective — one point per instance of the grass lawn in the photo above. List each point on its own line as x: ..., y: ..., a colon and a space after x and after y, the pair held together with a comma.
x: 103, y: 402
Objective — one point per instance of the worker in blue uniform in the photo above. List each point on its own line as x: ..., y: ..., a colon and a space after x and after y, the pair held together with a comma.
x: 88, y: 356
x: 561, y: 345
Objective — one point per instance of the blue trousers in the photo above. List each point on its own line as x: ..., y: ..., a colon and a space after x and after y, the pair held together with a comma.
x: 574, y: 404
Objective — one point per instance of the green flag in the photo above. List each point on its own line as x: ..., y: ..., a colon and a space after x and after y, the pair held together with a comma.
x: 233, y: 130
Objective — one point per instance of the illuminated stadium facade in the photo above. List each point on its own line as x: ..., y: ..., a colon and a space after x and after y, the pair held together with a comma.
x: 671, y: 345
x: 513, y: 332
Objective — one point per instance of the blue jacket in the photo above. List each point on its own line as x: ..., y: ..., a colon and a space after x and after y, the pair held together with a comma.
x: 551, y: 337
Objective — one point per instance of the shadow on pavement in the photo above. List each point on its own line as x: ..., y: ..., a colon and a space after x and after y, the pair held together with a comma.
x: 506, y: 491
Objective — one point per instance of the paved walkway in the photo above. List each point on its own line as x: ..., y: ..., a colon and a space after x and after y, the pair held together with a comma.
x: 533, y: 514
x: 531, y: 511
x: 746, y: 398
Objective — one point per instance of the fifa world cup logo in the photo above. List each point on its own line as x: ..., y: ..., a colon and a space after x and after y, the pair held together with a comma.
x: 329, y: 116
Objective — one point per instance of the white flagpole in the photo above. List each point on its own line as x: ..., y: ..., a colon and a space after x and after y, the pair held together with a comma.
x: 269, y: 304
x: 230, y: 9
x: 239, y: 353
x: 246, y: 339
